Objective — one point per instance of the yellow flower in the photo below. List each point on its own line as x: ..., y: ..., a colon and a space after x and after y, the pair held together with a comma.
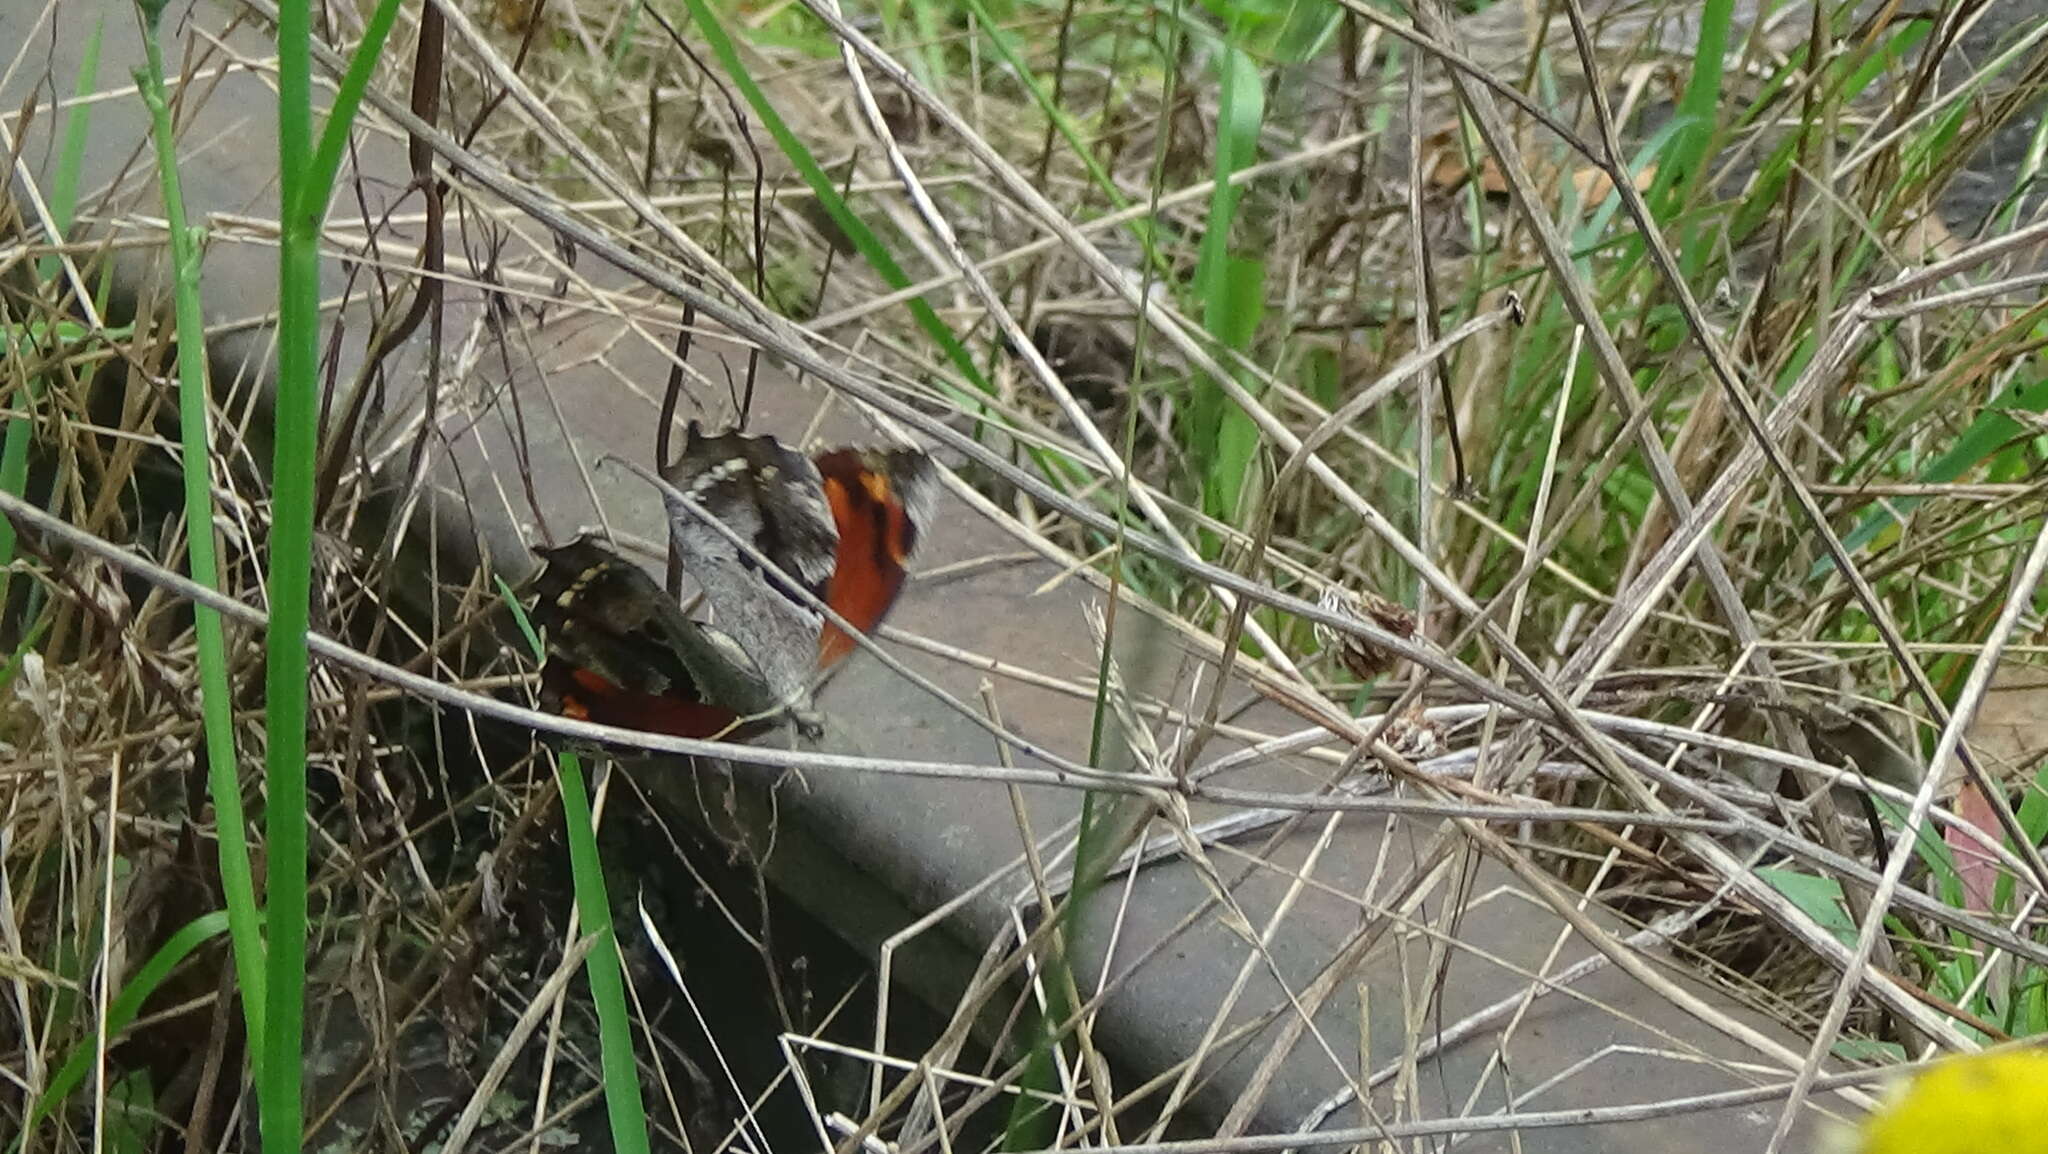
x: 1973, y: 1104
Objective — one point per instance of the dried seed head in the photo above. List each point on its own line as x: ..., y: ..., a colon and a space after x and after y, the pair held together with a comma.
x: 1362, y: 658
x: 1414, y: 736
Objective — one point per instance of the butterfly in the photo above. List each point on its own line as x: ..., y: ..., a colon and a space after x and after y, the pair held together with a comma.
x: 841, y: 525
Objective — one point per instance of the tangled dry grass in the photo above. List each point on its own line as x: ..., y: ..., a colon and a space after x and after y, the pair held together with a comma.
x: 1656, y: 567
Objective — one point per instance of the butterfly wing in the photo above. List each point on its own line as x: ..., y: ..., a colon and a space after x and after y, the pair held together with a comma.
x: 621, y: 652
x: 774, y: 499
x: 881, y: 502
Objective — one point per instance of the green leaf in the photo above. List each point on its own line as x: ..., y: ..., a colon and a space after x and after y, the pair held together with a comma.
x: 1817, y: 897
x: 1932, y: 850
x: 1869, y: 1050
x: 131, y: 1113
x: 1992, y: 429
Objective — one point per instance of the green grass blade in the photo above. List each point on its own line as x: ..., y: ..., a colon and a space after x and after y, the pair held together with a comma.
x: 1140, y: 229
x: 348, y: 97
x: 1588, y: 235
x: 12, y: 669
x: 1819, y: 898
x: 288, y: 579
x: 14, y: 480
x: 63, y: 204
x: 593, y: 907
x: 1232, y: 286
x: 1992, y: 428
x: 77, y: 130
x: 607, y: 983
x: 223, y: 775
x: 615, y: 60
x: 520, y: 618
x: 120, y: 1012
x: 1097, y: 844
x: 822, y: 186
x: 1686, y: 159
x: 1030, y: 1125
x: 2033, y: 817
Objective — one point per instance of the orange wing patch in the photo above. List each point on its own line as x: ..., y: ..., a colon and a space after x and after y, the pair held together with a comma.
x: 585, y: 695
x: 875, y: 536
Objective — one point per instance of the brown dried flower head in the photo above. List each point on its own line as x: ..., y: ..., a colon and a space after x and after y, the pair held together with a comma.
x: 1362, y: 658
x: 1414, y: 736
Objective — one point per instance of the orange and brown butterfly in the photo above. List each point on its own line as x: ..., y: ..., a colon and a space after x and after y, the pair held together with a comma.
x: 844, y: 525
